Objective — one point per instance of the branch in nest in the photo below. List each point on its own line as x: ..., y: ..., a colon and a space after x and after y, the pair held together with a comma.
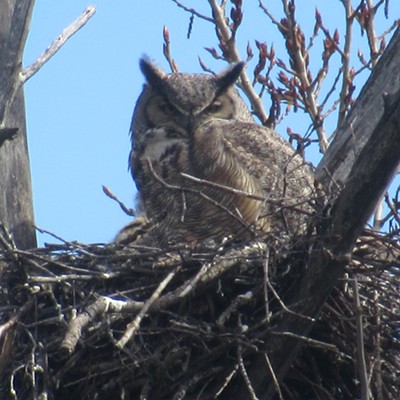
x: 105, y: 305
x: 135, y: 324
x: 102, y: 306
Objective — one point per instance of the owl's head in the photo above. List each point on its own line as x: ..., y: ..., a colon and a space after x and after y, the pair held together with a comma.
x: 182, y: 102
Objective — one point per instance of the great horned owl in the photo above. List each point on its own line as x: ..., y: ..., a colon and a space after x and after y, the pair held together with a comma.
x: 247, y: 180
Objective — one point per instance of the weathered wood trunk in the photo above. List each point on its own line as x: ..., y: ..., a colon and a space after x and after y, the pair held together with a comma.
x: 358, y: 166
x: 16, y: 207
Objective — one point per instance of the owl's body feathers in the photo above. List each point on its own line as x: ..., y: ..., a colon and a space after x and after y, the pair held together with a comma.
x: 198, y: 125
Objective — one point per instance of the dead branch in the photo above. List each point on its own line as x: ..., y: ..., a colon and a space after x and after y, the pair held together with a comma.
x: 135, y: 324
x: 362, y: 367
x: 56, y: 45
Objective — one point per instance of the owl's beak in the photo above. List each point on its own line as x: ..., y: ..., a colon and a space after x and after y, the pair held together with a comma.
x: 193, y: 122
x: 190, y: 124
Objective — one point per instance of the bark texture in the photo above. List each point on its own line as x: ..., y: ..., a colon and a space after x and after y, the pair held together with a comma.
x: 16, y: 206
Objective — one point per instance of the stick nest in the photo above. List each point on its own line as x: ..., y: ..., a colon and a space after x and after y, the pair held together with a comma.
x: 110, y: 322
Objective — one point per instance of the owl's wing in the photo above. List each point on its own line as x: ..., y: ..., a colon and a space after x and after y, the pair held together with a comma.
x: 240, y: 150
x: 256, y: 149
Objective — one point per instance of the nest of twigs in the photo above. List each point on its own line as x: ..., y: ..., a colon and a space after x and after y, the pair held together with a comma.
x: 109, y: 322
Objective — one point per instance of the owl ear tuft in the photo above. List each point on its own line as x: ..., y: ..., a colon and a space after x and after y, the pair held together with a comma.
x: 153, y: 74
x: 229, y: 76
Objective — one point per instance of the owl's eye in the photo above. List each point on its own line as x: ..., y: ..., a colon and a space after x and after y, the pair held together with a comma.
x: 214, y: 107
x: 165, y: 107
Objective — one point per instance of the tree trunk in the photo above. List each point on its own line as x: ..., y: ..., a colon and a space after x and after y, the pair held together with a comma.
x: 16, y: 206
x: 360, y: 124
x: 359, y: 166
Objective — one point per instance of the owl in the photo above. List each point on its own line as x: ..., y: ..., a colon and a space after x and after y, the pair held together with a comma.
x: 205, y: 170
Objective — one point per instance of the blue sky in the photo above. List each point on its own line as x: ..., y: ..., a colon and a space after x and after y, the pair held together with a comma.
x: 80, y: 104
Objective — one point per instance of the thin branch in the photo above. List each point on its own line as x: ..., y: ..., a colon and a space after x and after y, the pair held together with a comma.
x: 111, y: 195
x: 378, y: 349
x: 193, y: 11
x: 223, y: 187
x: 371, y: 34
x: 199, y: 193
x: 167, y: 50
x: 283, y: 305
x: 311, y: 342
x: 232, y: 55
x: 234, y: 305
x: 362, y: 367
x: 227, y: 380
x: 135, y: 324
x: 28, y: 72
x: 274, y: 378
x: 265, y: 285
x: 7, y: 243
x: 56, y: 45
x: 393, y: 209
x: 245, y: 376
x: 345, y: 62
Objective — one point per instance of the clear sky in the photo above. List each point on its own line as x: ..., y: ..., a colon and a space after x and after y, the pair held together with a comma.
x: 80, y: 104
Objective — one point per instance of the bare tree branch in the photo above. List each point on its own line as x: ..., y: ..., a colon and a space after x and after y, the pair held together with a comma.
x: 56, y: 45
x: 232, y: 55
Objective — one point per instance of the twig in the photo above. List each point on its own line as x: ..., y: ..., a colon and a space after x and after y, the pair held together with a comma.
x: 245, y: 376
x: 167, y: 50
x: 311, y: 342
x: 55, y: 236
x: 193, y: 11
x: 283, y: 305
x: 274, y: 378
x: 7, y: 335
x: 134, y: 325
x: 182, y: 189
x: 378, y: 350
x: 79, y: 247
x: 220, y: 265
x: 362, y: 367
x: 232, y: 55
x: 186, y: 385
x: 266, y: 282
x: 7, y: 242
x: 393, y: 209
x: 101, y: 306
x: 205, y: 182
x: 112, y: 196
x: 293, y: 36
x: 193, y: 282
x: 47, y: 260
x: 371, y: 34
x: 345, y: 62
x: 227, y: 380
x: 234, y: 305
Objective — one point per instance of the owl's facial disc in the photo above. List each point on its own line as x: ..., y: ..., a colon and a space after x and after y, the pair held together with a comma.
x: 160, y: 111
